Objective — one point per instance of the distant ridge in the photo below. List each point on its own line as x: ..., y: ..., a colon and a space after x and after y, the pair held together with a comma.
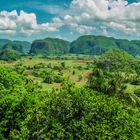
x: 50, y: 46
x: 88, y: 44
x: 97, y: 45
x: 22, y: 47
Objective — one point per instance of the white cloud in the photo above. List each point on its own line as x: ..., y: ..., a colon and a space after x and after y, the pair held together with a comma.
x: 52, y: 27
x: 7, y: 21
x: 105, y: 17
x: 127, y: 28
x: 83, y: 29
x: 116, y: 15
x: 25, y: 24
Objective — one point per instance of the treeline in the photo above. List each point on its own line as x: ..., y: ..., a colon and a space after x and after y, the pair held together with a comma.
x: 103, y: 109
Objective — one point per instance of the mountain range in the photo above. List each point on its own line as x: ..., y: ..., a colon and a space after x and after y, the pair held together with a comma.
x: 22, y: 47
x: 88, y: 44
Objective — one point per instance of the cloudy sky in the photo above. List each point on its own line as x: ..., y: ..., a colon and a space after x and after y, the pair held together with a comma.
x: 68, y: 19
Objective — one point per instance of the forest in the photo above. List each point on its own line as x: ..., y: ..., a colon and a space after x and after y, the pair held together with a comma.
x: 69, y: 96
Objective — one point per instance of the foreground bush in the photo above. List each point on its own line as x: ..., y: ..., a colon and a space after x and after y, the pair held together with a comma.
x: 70, y: 113
x: 81, y: 114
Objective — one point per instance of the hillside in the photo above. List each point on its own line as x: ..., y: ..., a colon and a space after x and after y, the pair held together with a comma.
x: 89, y: 44
x: 9, y: 55
x: 21, y: 47
x: 3, y: 42
x: 26, y: 46
x: 50, y: 46
x: 97, y: 45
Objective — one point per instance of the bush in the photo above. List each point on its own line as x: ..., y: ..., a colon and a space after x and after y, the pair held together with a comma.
x: 116, y: 60
x: 106, y: 82
x: 53, y: 78
x: 39, y: 66
x: 81, y: 114
x: 58, y: 78
x: 49, y: 79
x: 16, y: 95
x: 137, y: 92
x: 136, y: 81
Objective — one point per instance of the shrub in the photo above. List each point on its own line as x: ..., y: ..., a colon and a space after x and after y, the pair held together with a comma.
x: 137, y: 92
x: 49, y: 79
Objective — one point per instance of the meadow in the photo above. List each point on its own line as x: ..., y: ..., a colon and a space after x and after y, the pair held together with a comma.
x: 76, y: 68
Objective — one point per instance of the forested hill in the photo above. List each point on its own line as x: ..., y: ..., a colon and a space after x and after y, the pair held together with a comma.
x: 50, y: 46
x: 99, y: 44
x: 22, y: 47
x: 3, y: 42
x: 89, y: 44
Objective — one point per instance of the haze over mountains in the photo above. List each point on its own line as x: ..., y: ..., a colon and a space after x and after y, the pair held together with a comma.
x: 89, y: 44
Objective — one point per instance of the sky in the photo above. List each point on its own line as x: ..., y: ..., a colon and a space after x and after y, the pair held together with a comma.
x: 68, y: 19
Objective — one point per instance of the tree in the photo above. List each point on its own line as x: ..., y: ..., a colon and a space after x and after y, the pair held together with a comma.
x: 116, y: 60
x: 107, y: 82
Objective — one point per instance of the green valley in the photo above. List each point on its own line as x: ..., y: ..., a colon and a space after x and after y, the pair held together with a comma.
x: 61, y: 91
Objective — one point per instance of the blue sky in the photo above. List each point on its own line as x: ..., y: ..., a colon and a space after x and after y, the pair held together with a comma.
x: 68, y: 19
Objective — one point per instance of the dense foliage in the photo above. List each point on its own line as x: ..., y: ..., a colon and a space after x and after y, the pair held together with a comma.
x: 105, y: 108
x: 112, y: 72
x: 69, y: 113
x: 116, y: 60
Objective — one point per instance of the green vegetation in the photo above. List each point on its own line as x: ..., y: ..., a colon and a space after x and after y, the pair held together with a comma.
x: 69, y: 113
x: 112, y: 73
x: 69, y: 96
x: 21, y: 47
x: 9, y: 55
x: 87, y: 45
x: 3, y: 42
x: 116, y: 60
x: 97, y: 45
x: 50, y: 46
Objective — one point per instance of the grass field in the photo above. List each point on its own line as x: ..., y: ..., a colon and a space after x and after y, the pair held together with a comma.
x: 75, y: 69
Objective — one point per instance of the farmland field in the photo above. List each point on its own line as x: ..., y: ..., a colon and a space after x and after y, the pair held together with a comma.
x: 77, y: 69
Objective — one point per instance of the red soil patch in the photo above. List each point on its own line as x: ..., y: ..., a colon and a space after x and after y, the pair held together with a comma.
x: 80, y: 61
x: 56, y: 86
x: 87, y: 74
x: 29, y: 72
